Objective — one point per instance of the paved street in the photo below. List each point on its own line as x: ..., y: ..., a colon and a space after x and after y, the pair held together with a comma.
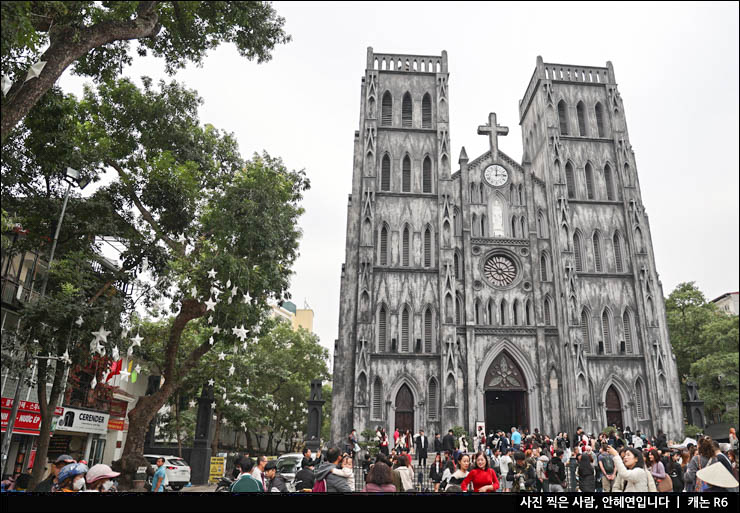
x: 200, y: 488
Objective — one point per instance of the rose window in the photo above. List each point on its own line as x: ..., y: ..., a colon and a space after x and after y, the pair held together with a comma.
x: 500, y: 270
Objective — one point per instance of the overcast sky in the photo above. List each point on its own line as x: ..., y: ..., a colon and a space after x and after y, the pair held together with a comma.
x: 676, y: 66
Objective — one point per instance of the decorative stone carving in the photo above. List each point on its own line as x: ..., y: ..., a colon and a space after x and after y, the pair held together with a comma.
x: 504, y: 374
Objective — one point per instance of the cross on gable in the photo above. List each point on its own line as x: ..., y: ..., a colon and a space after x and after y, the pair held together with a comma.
x: 493, y: 130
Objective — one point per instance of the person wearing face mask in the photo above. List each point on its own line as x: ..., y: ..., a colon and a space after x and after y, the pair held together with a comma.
x: 71, y: 478
x: 100, y: 478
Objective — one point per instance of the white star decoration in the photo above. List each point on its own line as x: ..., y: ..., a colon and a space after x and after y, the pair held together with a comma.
x: 213, y: 405
x: 7, y: 84
x: 210, y: 340
x: 194, y: 291
x: 136, y: 341
x: 192, y: 403
x: 216, y: 330
x: 228, y: 402
x: 210, y: 319
x: 244, y: 425
x: 125, y: 374
x: 94, y: 382
x: 228, y: 283
x: 65, y: 358
x: 79, y: 321
x: 210, y: 382
x: 137, y: 368
x: 221, y: 355
x: 214, y: 417
x: 241, y: 333
x: 210, y: 304
x: 35, y: 70
x: 238, y: 389
x: 212, y: 274
x: 115, y: 353
x: 247, y: 298
x: 130, y: 351
x: 244, y: 346
x: 223, y: 420
x: 223, y: 396
x: 101, y: 334
x: 234, y: 291
x: 236, y: 348
x: 231, y: 370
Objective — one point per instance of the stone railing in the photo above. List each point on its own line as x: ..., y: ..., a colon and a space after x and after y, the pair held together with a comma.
x: 413, y: 63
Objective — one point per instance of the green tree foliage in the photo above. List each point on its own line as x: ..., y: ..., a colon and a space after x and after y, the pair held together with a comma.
x: 95, y: 38
x: 705, y: 342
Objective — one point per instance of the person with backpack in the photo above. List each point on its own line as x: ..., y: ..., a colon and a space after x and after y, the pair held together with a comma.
x: 556, y: 473
x: 325, y: 480
x: 607, y: 468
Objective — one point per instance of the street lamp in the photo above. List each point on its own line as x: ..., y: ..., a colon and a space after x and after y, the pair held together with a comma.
x: 72, y: 177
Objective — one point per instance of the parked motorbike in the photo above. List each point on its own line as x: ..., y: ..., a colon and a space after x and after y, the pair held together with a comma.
x: 224, y: 484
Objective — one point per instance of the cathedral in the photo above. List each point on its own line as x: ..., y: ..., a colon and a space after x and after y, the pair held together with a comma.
x: 499, y: 293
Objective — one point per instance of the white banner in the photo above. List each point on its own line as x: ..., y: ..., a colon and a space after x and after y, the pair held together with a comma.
x: 83, y: 421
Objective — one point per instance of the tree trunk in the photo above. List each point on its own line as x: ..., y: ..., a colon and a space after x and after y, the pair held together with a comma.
x: 269, y: 443
x: 47, y: 417
x: 177, y: 424
x: 250, y: 448
x: 216, y: 434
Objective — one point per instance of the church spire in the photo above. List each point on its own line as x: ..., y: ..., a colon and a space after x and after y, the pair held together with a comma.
x: 463, y: 156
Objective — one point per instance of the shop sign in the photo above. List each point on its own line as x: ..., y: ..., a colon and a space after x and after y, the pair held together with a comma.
x: 116, y: 424
x: 25, y: 423
x: 84, y: 421
x: 7, y: 403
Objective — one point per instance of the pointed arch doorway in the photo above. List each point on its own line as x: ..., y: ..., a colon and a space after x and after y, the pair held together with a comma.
x: 613, y: 408
x: 405, y: 409
x: 505, y: 395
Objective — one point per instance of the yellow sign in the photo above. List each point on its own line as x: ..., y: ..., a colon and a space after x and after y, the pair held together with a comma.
x: 218, y: 468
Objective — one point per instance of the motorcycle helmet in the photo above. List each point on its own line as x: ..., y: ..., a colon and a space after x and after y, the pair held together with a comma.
x: 70, y: 471
x: 100, y: 471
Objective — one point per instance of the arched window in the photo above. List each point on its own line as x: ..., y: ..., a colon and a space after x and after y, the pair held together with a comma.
x: 474, y: 225
x: 483, y: 225
x: 627, y: 325
x: 577, y: 251
x: 458, y: 310
x: 570, y: 180
x: 385, y: 174
x: 386, y: 115
x: 405, y: 330
x: 426, y: 111
x: 543, y: 266
x: 406, y: 111
x: 362, y: 389
x: 490, y: 309
x: 382, y: 329
x: 365, y: 306
x: 581, y: 110
x: 523, y: 230
x: 449, y: 309
x: 406, y: 175
x: 582, y: 392
x: 609, y: 183
x: 606, y: 331
x: 597, y: 253
x: 639, y: 242
x: 456, y: 264
x: 528, y: 312
x: 478, y: 312
x: 562, y: 117
x: 640, y: 398
x: 433, y: 398
x: 541, y: 224
x: 618, y: 252
x: 503, y: 315
x: 585, y: 330
x: 377, y: 399
x: 521, y: 194
x: 513, y: 226
x: 426, y: 178
x: 405, y: 249
x: 589, y: 181
x: 428, y: 331
x: 651, y: 311
x: 515, y: 312
x: 599, y: 110
x: 427, y: 248
x: 548, y: 311
x: 450, y: 390
x: 383, y: 249
x: 473, y: 195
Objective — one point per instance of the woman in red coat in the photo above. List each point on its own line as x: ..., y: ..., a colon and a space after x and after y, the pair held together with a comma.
x: 483, y: 477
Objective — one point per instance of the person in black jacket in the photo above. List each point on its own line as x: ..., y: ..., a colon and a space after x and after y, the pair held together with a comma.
x: 304, y: 478
x: 586, y: 478
x: 277, y: 481
x: 435, y: 471
x: 521, y: 473
x: 556, y: 473
x: 675, y: 472
x: 47, y: 484
x: 422, y: 446
x: 448, y: 442
x: 437, y: 443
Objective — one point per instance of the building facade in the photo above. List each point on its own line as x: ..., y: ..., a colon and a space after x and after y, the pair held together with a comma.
x: 729, y: 303
x: 511, y: 294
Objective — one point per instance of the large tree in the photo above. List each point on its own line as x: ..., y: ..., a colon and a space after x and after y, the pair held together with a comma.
x: 95, y: 38
x: 705, y: 341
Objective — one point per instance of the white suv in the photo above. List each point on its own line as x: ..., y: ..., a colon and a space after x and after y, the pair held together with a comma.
x: 177, y: 470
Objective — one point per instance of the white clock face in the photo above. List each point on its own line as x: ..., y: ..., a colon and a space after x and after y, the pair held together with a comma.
x: 496, y: 175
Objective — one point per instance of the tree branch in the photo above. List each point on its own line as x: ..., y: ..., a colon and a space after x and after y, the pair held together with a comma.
x: 148, y: 217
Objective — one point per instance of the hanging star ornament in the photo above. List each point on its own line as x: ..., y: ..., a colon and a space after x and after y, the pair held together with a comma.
x: 192, y: 403
x: 228, y: 402
x: 137, y: 340
x: 101, y: 334
x: 130, y: 351
x: 210, y: 382
x: 238, y: 389
x: 210, y: 304
x: 221, y: 355
x: 223, y: 396
x: 194, y: 292
x: 231, y: 370
x: 65, y: 358
x: 216, y: 330
x: 79, y: 321
x: 210, y: 340
x: 241, y: 333
x: 223, y: 420
x: 35, y: 70
x: 125, y: 374
x: 7, y: 84
x: 234, y: 291
x: 94, y: 382
x: 244, y: 425
x: 210, y: 319
x: 213, y: 405
x: 228, y: 283
x: 247, y: 298
x: 212, y: 274
x: 137, y: 369
x: 244, y: 346
x: 115, y: 354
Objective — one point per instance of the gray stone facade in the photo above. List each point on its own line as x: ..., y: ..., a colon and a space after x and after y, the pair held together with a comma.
x: 525, y: 295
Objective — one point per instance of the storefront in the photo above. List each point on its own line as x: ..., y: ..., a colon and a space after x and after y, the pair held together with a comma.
x: 81, y: 434
x: 22, y: 451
